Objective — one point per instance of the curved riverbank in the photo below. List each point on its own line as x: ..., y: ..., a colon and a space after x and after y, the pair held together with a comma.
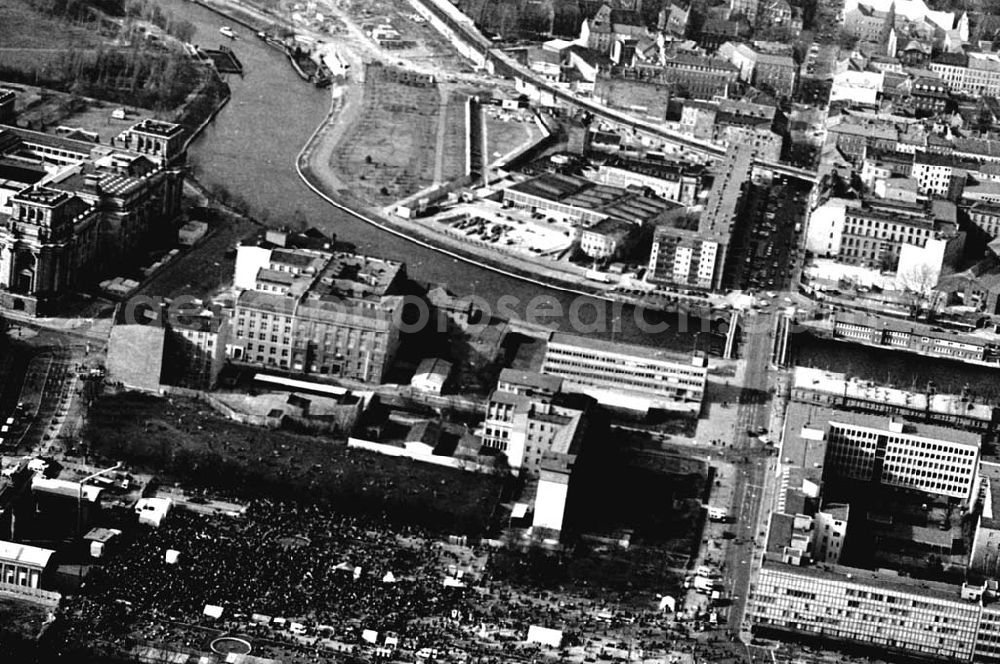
x: 325, y: 188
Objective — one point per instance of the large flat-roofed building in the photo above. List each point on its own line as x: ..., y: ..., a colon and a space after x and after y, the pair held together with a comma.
x: 582, y: 202
x: 837, y: 390
x: 896, y: 452
x: 70, y: 210
x: 880, y: 609
x: 316, y: 310
x: 635, y: 377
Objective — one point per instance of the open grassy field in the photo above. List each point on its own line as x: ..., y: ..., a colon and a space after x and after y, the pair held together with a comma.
x: 389, y: 153
x: 185, y: 440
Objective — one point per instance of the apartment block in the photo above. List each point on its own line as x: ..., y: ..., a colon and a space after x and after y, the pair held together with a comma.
x: 165, y: 344
x: 315, y: 310
x: 777, y: 73
x: 635, y: 377
x: 682, y: 257
x: 694, y: 76
x: 608, y: 239
x: 886, y: 234
x: 530, y: 417
x: 972, y: 74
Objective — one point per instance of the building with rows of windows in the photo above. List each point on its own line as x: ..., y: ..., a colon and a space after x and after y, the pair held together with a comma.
x: 638, y: 378
x: 540, y: 429
x: 913, y: 337
x: 803, y: 589
x: 896, y: 452
x: 895, y: 614
x: 308, y: 308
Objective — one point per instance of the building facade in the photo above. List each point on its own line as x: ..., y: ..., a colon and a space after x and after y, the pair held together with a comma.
x: 899, y: 453
x: 887, y: 612
x: 316, y: 311
x: 529, y: 418
x: 72, y: 210
x: 914, y: 337
x: 626, y: 376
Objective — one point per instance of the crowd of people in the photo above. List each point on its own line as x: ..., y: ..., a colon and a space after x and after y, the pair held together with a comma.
x: 335, y: 575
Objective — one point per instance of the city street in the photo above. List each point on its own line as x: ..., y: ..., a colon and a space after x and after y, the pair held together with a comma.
x: 754, y: 414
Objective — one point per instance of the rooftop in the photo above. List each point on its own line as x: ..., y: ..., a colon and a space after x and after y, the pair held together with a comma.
x: 24, y: 554
x: 42, y: 196
x: 884, y: 579
x: 356, y: 276
x: 840, y: 384
x: 804, y: 443
x: 158, y: 128
x: 531, y: 379
x: 583, y: 194
x: 910, y: 327
x: 652, y: 168
x: 622, y: 350
x: 612, y: 226
x: 775, y: 60
x: 919, y: 429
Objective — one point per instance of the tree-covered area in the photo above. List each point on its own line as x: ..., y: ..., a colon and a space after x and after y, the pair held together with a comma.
x: 155, y: 80
x: 128, y: 11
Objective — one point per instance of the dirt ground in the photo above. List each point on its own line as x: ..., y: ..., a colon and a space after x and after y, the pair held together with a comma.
x: 392, y: 147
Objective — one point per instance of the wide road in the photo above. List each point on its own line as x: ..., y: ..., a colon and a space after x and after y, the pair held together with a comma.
x: 754, y: 412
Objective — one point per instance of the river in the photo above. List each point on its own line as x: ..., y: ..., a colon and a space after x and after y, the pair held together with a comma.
x: 251, y: 148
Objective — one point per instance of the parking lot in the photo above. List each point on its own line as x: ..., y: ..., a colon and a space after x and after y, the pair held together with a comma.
x: 771, y: 243
x: 508, y: 230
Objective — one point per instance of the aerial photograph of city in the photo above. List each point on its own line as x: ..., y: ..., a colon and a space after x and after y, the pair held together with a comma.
x: 499, y: 331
